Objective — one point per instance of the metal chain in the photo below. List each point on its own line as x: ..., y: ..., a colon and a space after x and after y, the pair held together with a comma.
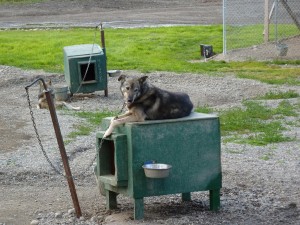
x: 38, y: 137
x: 43, y: 150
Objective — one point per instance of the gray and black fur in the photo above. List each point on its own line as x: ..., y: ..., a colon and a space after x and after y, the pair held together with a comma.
x: 147, y: 102
x: 157, y: 104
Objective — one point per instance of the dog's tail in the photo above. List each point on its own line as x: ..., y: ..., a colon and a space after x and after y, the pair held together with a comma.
x: 70, y: 107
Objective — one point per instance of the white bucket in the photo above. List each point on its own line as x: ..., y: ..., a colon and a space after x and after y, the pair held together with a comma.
x: 61, y: 93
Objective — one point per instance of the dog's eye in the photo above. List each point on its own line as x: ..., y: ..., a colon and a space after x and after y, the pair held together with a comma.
x: 136, y: 90
x: 127, y: 88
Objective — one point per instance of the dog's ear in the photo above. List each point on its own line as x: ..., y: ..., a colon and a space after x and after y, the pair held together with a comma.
x: 122, y: 78
x: 49, y: 82
x: 143, y: 79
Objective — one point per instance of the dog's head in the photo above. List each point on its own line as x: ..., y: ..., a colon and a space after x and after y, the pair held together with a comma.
x: 131, y: 88
x: 43, y: 104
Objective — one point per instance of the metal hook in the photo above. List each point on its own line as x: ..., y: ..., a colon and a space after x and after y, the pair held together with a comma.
x: 35, y: 81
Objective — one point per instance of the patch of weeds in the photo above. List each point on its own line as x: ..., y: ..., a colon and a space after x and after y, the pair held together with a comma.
x: 271, y: 134
x: 267, y: 156
x: 81, y: 130
x: 204, y: 109
x: 279, y: 95
x: 93, y: 119
x: 256, y: 124
x: 67, y: 141
x: 235, y: 151
x: 285, y: 108
x: 285, y: 62
x: 246, y: 120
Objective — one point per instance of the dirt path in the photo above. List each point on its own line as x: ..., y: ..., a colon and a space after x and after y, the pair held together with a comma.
x: 114, y: 13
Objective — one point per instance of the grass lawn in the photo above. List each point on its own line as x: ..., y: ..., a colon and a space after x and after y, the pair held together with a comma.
x: 141, y: 49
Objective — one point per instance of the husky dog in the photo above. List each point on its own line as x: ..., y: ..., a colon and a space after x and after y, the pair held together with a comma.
x: 147, y: 102
x: 43, y: 104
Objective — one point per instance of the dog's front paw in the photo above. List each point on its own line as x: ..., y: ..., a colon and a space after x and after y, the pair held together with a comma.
x: 114, y: 118
x: 107, y: 134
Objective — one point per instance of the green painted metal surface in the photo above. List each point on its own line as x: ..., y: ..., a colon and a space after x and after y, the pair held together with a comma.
x: 76, y: 61
x: 191, y: 145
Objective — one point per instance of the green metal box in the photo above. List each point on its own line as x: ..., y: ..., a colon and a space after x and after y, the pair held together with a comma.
x: 85, y: 68
x: 190, y: 144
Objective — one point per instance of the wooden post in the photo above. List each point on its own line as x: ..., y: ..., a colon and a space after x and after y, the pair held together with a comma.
x: 266, y: 22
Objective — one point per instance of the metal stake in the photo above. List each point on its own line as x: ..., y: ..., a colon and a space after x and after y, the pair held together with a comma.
x: 104, y: 50
x: 61, y: 146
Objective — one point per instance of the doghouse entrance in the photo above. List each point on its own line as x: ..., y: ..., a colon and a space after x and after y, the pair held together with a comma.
x: 112, y: 156
x: 88, y: 72
x: 107, y: 158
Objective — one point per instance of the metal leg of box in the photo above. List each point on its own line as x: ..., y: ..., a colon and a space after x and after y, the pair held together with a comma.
x: 138, y: 208
x: 111, y: 199
x: 214, y: 199
x: 186, y: 196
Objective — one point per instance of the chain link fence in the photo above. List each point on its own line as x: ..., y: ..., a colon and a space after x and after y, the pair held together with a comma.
x: 261, y: 29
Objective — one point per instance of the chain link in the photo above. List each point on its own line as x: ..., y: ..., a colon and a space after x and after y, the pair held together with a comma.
x: 43, y: 150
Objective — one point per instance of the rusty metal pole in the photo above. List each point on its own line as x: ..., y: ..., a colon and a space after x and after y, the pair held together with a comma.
x: 102, y: 36
x: 61, y: 145
x: 103, y: 47
x: 63, y: 153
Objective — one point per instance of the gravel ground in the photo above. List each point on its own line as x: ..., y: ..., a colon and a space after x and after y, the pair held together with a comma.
x: 255, y: 191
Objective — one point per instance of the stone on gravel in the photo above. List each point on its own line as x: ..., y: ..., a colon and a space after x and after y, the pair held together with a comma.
x: 71, y: 211
x: 58, y: 215
x: 34, y: 222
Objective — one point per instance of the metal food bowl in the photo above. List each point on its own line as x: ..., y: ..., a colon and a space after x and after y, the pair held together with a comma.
x: 114, y: 73
x: 157, y: 170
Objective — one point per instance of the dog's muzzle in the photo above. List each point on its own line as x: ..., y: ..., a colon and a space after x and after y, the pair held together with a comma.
x: 129, y: 101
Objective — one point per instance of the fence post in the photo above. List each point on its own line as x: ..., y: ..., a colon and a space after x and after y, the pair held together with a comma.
x: 266, y: 22
x: 224, y: 28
